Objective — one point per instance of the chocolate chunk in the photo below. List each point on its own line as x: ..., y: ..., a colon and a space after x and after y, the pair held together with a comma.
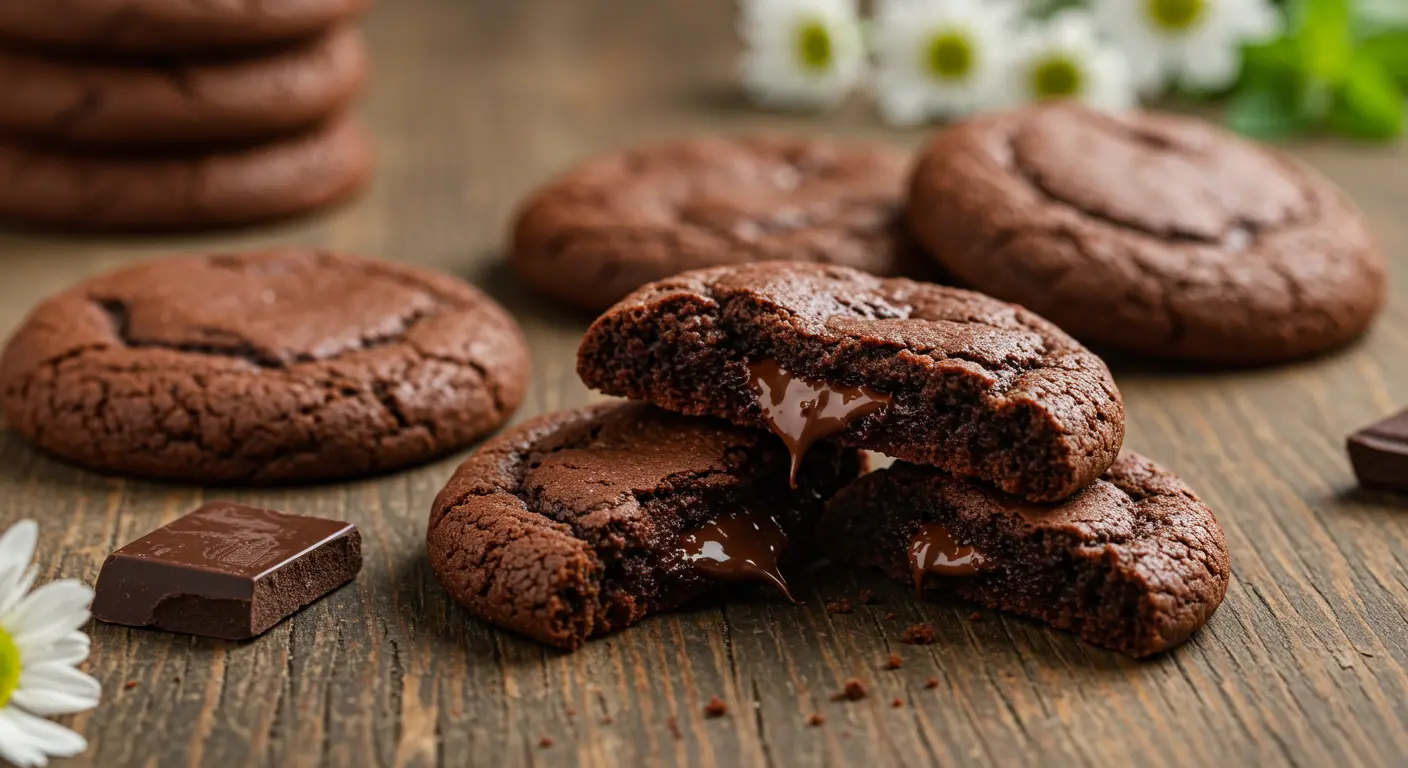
x: 226, y: 571
x: 1379, y: 453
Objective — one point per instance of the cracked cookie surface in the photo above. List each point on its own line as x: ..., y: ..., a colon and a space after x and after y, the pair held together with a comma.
x: 568, y: 526
x: 120, y: 193
x: 1134, y: 562
x: 169, y: 27
x: 616, y: 222
x: 157, y: 104
x: 279, y: 366
x: 1154, y: 234
x: 977, y: 386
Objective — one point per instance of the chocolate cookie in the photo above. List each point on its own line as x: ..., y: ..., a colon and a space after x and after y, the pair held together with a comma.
x: 44, y: 187
x: 921, y: 372
x: 1134, y: 562
x: 273, y: 93
x: 1149, y: 233
x: 289, y: 365
x: 162, y: 27
x: 583, y: 522
x: 617, y: 222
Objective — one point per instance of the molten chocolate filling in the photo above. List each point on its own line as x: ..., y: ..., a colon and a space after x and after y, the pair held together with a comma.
x: 744, y: 546
x: 802, y: 412
x: 933, y: 550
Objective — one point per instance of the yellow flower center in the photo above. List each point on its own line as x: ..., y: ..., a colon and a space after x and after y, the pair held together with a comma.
x: 814, y: 46
x: 1055, y: 77
x: 949, y: 56
x: 9, y: 667
x: 1176, y: 15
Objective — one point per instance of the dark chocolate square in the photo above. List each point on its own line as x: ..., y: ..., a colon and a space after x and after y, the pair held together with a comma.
x: 226, y: 570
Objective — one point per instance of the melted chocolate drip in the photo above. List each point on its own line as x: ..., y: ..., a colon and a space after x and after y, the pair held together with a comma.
x: 933, y: 550
x: 802, y: 412
x: 739, y: 547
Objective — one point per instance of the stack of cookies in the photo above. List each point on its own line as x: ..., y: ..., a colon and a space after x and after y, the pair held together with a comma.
x: 158, y: 116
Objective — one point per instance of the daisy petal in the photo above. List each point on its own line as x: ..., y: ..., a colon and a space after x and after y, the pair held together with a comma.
x: 48, y: 613
x: 54, y: 689
x: 71, y: 649
x: 16, y: 552
x: 1211, y: 67
x: 35, y: 738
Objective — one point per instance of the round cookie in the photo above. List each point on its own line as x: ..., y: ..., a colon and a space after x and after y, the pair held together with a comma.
x: 44, y: 187
x: 169, y: 27
x: 617, y: 222
x: 1133, y: 562
x: 273, y: 93
x: 281, y: 366
x: 1154, y: 234
x: 583, y: 522
x: 917, y: 371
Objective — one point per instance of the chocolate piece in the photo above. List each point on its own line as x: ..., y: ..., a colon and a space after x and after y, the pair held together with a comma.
x: 226, y: 571
x: 1379, y: 453
x: 976, y: 387
x: 739, y: 547
x: 802, y: 412
x: 933, y: 550
x: 1134, y: 562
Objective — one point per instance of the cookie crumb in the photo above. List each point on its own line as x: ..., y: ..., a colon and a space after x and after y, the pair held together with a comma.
x: 674, y: 725
x: 867, y: 597
x: 607, y: 720
x: 816, y: 720
x: 176, y: 679
x: 894, y: 661
x: 918, y: 634
x: 545, y: 742
x: 975, y: 616
x: 845, y: 734
x: 715, y: 708
x: 840, y: 606
x: 570, y: 710
x: 130, y: 685
x: 854, y: 691
x: 897, y: 703
x: 933, y: 682
x: 890, y: 616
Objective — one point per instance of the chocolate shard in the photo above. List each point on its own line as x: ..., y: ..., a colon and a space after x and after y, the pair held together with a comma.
x: 1379, y: 453
x: 226, y: 571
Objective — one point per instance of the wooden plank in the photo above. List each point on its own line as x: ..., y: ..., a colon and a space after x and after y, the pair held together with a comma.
x: 1305, y: 664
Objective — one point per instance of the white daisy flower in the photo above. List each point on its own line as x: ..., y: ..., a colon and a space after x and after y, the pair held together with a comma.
x: 40, y: 650
x: 1196, y: 43
x: 801, y: 54
x: 1065, y: 59
x: 941, y: 58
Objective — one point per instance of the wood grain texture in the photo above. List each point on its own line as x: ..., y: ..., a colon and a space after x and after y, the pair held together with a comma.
x: 1305, y: 664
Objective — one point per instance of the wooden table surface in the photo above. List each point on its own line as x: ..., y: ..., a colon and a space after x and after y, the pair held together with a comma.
x: 476, y: 101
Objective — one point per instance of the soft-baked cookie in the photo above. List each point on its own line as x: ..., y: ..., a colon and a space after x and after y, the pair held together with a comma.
x: 583, y: 522
x: 1150, y: 233
x: 921, y: 372
x: 41, y: 186
x: 168, y: 27
x: 617, y: 222
x: 120, y: 106
x: 1134, y: 562
x: 289, y: 365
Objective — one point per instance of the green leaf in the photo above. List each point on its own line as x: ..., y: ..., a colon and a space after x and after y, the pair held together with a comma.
x: 1324, y: 34
x: 1390, y: 50
x: 1268, y: 109
x: 1368, y: 104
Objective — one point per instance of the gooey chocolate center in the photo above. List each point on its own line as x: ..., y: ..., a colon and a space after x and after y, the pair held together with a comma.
x: 934, y: 550
x: 745, y: 546
x: 802, y: 412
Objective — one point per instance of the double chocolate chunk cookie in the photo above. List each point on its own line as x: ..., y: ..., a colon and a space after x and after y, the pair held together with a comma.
x: 1134, y: 562
x: 280, y: 366
x: 143, y: 106
x: 583, y: 522
x: 40, y: 186
x: 168, y: 27
x: 921, y: 372
x: 617, y: 222
x: 1149, y: 233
